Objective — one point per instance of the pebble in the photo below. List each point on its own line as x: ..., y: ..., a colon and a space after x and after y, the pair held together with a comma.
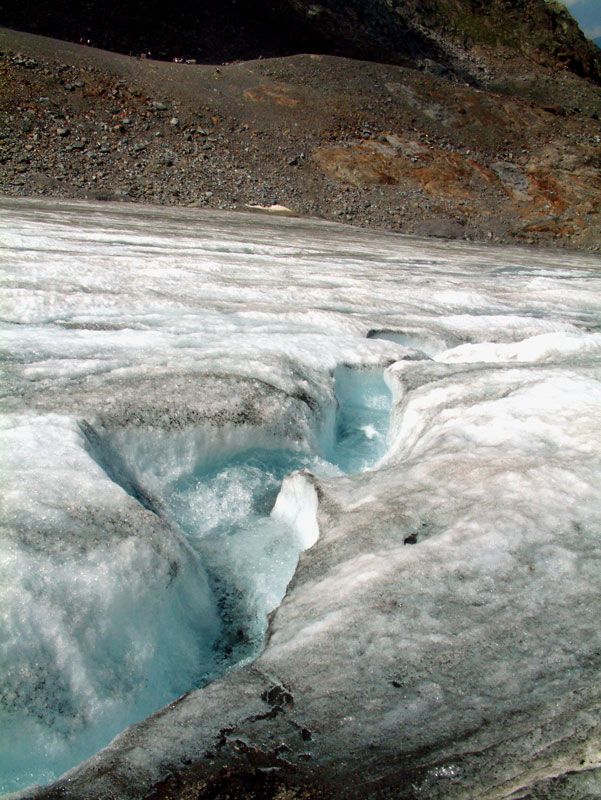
x: 28, y: 63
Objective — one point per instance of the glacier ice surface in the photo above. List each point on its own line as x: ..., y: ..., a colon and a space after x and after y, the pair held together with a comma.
x: 165, y: 370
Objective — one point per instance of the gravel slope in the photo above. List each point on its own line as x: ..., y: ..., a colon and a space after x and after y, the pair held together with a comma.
x: 514, y: 156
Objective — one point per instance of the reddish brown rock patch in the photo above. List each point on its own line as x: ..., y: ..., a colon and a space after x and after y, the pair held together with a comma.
x: 437, y: 172
x: 279, y: 94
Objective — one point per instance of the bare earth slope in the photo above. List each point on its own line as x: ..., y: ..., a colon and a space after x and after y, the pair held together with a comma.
x: 504, y: 148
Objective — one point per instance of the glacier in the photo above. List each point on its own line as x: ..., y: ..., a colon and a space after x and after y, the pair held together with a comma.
x: 290, y: 498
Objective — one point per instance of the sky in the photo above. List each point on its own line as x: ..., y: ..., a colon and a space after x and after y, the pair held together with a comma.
x: 588, y: 14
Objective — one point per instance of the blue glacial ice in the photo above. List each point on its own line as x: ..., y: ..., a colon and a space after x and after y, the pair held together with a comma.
x: 100, y: 633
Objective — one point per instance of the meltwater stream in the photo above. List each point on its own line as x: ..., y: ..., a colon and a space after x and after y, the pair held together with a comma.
x: 137, y: 649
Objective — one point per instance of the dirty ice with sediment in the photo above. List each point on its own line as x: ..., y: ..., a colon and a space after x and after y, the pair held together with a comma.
x: 191, y: 401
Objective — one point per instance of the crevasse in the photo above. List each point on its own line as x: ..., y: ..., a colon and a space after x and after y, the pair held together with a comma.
x: 233, y: 520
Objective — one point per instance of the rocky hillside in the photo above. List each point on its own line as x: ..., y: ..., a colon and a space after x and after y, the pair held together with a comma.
x: 382, y: 30
x: 468, y: 119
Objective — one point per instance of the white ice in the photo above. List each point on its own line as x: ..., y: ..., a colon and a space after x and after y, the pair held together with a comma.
x: 166, y: 369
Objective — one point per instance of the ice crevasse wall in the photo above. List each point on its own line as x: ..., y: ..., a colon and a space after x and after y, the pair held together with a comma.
x: 167, y: 371
x: 164, y: 580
